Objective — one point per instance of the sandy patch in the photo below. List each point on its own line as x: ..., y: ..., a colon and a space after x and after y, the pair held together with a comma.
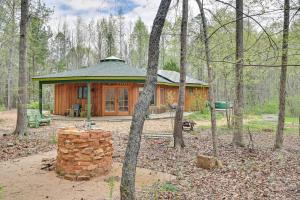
x: 22, y: 179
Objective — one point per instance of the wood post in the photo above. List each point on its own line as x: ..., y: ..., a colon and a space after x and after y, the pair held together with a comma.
x: 88, y: 101
x: 40, y: 97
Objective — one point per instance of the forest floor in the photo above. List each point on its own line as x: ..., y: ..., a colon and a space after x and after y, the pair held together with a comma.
x: 259, y: 174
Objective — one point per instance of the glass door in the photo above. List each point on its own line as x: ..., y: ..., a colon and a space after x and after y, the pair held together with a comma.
x: 110, y: 100
x: 116, y: 100
x: 123, y: 101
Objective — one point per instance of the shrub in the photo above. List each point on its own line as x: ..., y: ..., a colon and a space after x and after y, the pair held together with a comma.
x: 33, y: 105
x: 269, y: 107
x: 171, y: 66
x: 2, y: 107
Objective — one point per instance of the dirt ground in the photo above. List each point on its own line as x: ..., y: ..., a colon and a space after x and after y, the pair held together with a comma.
x: 22, y: 179
x: 258, y: 174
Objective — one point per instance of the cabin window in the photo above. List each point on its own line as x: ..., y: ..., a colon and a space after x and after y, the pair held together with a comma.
x: 82, y: 92
x: 152, y: 102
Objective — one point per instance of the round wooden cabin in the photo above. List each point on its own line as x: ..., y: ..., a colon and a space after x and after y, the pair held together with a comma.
x: 112, y: 87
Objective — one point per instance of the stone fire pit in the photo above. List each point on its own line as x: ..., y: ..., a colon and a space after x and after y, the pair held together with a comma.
x: 83, y: 154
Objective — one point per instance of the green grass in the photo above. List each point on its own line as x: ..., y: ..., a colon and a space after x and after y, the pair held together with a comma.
x: 202, y: 115
x: 257, y: 124
x: 111, y: 181
x: 54, y: 139
x: 292, y: 120
x: 261, y: 125
x: 1, y: 192
x: 168, y: 187
x: 270, y: 107
x: 2, y: 107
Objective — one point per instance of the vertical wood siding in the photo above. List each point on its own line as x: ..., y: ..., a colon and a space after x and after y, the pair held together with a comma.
x: 66, y: 96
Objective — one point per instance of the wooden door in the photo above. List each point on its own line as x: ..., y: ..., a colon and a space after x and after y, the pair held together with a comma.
x: 116, y: 100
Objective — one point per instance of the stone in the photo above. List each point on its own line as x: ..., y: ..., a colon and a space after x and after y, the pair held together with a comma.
x: 63, y: 150
x: 83, y: 178
x: 82, y: 145
x: 91, y: 167
x: 70, y: 177
x: 83, y: 163
x: 208, y: 162
x: 98, y: 157
x: 83, y: 154
x: 87, y: 150
x: 10, y: 144
x: 85, y: 135
x: 83, y: 157
x: 99, y: 151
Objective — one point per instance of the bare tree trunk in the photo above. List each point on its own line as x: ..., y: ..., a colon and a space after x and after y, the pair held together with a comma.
x: 22, y: 92
x: 127, y: 187
x: 10, y: 62
x: 120, y: 34
x: 210, y: 82
x: 239, y: 101
x: 178, y: 138
x: 284, y: 61
x: 227, y: 99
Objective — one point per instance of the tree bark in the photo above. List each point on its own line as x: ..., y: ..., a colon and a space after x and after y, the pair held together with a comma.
x: 178, y: 137
x: 228, y: 111
x: 239, y: 101
x: 127, y: 187
x: 210, y: 81
x: 11, y: 61
x: 284, y: 62
x: 22, y: 92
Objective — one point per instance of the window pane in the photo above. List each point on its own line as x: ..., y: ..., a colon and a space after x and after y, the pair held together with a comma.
x: 79, y: 93
x: 84, y: 95
x: 123, y: 100
x: 110, y: 100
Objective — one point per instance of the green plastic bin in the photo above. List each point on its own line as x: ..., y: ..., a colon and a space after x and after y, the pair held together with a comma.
x: 222, y: 105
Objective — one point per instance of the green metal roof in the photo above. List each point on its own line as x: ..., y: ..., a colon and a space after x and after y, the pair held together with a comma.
x: 113, y: 68
x: 175, y: 77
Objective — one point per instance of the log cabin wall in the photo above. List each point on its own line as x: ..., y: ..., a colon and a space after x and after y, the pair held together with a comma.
x: 66, y: 95
x: 195, y: 97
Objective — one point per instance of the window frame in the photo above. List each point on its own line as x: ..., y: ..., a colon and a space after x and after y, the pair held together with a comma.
x: 82, y: 92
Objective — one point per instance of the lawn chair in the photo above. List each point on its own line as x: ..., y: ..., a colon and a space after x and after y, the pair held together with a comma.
x: 35, y: 119
x: 76, y: 109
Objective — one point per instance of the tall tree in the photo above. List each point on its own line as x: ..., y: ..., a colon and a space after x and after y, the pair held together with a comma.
x: 121, y: 33
x: 110, y: 37
x: 139, y: 39
x: 284, y: 62
x: 129, y: 166
x: 239, y: 83
x: 11, y: 56
x: 101, y: 24
x: 22, y: 93
x: 210, y: 80
x: 79, y: 49
x: 37, y: 53
x: 178, y: 138
x: 60, y: 47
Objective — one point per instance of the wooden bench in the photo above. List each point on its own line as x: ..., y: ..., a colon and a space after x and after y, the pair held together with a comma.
x: 34, y: 118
